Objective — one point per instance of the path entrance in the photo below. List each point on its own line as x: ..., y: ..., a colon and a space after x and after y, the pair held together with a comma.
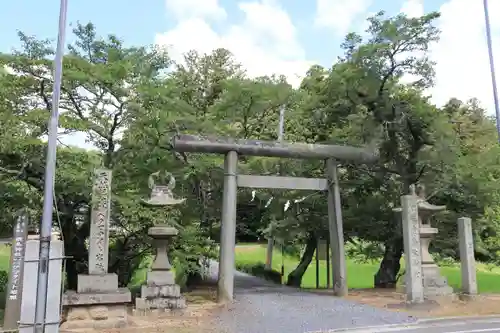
x: 232, y: 148
x: 262, y: 306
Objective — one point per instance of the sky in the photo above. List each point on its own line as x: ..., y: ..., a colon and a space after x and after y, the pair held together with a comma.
x: 274, y: 36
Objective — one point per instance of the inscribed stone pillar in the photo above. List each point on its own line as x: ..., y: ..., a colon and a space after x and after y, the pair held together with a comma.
x: 467, y: 260
x: 28, y: 303
x: 15, y: 285
x: 412, y: 255
x: 97, y: 302
x: 99, y: 227
x: 336, y: 231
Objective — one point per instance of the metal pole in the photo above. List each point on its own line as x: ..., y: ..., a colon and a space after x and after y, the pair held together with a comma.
x: 328, y: 263
x: 317, y: 263
x: 270, y: 240
x: 492, y: 65
x: 50, y: 168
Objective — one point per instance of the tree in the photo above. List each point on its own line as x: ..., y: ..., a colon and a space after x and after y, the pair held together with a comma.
x: 131, y: 101
x: 100, y: 77
x: 397, y: 115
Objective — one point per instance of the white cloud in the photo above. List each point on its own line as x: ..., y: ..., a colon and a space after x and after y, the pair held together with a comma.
x: 339, y: 14
x: 187, y: 9
x: 413, y: 8
x: 462, y: 57
x: 265, y: 42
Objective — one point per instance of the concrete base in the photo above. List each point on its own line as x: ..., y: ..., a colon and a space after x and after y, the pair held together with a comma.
x: 160, y: 292
x: 160, y: 278
x: 96, y: 310
x: 163, y: 304
x: 97, y: 283
x: 434, y: 283
x: 172, y: 291
x: 95, y: 317
x: 121, y: 295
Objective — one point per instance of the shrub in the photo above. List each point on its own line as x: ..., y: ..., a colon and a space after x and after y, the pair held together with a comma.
x: 361, y: 251
x: 261, y: 271
x: 4, y: 280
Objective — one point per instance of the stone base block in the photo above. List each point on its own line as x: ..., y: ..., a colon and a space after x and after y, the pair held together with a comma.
x: 95, y: 317
x: 144, y: 304
x: 88, y: 283
x: 72, y: 298
x: 170, y: 291
x: 160, y: 278
x: 434, y: 283
x: 431, y: 292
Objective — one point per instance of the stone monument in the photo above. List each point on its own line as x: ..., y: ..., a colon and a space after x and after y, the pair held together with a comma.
x: 98, y: 302
x: 433, y: 282
x: 160, y: 291
x: 29, y: 290
x: 467, y: 259
x: 15, y: 285
x: 412, y: 248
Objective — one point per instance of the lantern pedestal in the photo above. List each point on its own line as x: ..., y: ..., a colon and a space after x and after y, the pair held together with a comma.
x: 160, y: 291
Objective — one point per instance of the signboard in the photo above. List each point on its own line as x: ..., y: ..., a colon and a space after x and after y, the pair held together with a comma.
x: 322, y: 250
x: 15, y: 285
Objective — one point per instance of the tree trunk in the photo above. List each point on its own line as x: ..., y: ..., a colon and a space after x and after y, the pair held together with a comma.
x: 295, y: 277
x: 387, y: 274
x: 74, y: 247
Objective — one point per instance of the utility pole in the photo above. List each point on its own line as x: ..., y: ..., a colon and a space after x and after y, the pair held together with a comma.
x: 270, y: 240
x: 492, y: 65
x: 50, y: 169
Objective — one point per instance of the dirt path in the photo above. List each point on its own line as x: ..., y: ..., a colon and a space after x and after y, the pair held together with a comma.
x: 263, y: 307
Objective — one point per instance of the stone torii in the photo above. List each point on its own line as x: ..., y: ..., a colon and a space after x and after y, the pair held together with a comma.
x: 232, y: 148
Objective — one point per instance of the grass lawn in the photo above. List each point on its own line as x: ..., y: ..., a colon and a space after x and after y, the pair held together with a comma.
x: 4, y: 266
x: 4, y: 257
x: 359, y: 275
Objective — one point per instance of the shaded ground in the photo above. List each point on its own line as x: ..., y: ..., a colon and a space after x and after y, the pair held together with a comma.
x: 447, y: 307
x: 481, y: 305
x: 263, y: 307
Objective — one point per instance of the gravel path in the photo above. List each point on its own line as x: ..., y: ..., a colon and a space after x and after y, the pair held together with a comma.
x: 263, y: 307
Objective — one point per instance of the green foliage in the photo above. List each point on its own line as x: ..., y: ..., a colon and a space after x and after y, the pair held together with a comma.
x: 363, y: 251
x: 130, y: 101
x: 4, y: 280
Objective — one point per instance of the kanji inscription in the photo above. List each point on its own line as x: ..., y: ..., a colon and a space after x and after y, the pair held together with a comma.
x: 99, y: 228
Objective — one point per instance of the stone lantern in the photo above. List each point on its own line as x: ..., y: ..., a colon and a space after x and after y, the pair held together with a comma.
x: 160, y: 291
x: 433, y: 282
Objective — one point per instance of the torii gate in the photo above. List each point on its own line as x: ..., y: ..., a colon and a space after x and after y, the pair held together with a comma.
x: 231, y: 148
